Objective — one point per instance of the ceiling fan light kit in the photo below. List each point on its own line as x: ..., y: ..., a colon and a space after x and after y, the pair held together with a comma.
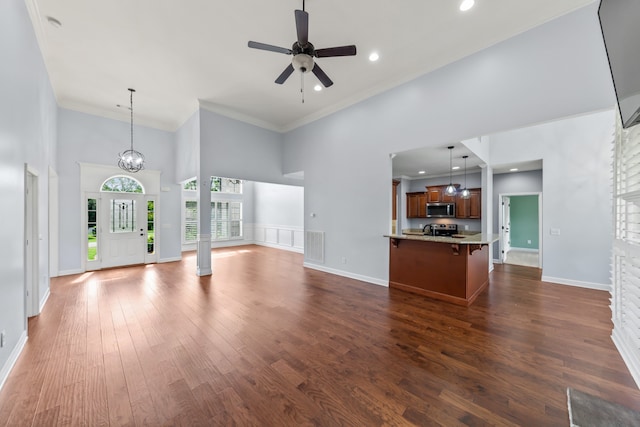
x: 304, y: 52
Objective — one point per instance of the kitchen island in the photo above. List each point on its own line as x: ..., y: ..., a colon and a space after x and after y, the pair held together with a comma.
x: 453, y: 269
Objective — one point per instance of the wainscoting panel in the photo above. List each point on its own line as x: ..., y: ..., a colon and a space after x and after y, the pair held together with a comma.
x: 278, y: 236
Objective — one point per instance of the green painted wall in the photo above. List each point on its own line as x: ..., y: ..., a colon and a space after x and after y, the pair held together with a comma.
x: 524, y: 222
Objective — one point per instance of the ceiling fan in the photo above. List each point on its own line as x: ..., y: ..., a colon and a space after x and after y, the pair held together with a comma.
x: 303, y: 52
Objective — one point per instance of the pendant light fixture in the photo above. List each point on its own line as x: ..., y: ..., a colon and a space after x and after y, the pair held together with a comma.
x: 465, y: 192
x: 131, y: 160
x: 451, y: 189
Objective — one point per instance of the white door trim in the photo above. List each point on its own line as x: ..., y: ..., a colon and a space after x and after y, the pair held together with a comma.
x: 31, y: 237
x: 92, y: 176
x: 501, y: 221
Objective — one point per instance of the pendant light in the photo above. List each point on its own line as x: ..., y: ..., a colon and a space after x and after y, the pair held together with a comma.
x: 131, y: 160
x: 465, y: 192
x: 451, y: 189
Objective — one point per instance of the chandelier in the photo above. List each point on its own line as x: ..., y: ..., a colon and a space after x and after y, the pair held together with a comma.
x: 131, y: 160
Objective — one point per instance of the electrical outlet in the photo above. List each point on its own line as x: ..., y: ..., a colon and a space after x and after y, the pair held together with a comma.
x: 344, y: 260
x: 528, y: 242
x: 466, y: 227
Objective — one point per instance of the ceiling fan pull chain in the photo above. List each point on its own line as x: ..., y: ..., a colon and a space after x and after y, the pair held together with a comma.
x: 302, y: 86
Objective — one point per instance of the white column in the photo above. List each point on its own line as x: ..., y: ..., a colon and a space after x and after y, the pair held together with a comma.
x: 204, y: 255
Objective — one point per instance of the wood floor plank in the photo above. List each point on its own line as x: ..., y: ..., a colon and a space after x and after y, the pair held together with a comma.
x: 266, y: 342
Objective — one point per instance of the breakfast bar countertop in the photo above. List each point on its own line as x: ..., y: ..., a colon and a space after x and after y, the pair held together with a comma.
x: 472, y: 239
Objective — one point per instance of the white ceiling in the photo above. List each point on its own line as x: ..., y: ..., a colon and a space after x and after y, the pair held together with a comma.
x: 177, y: 53
x: 434, y: 161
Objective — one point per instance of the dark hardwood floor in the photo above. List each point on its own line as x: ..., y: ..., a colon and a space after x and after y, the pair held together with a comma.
x: 267, y: 342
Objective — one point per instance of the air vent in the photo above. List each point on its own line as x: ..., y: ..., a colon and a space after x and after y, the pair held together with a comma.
x: 314, y: 246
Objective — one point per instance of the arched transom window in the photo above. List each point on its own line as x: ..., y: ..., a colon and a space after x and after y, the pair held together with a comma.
x: 122, y: 184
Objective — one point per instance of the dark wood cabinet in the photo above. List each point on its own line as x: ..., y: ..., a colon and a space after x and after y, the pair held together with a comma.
x: 436, y: 194
x: 417, y: 205
x: 394, y: 199
x: 470, y: 208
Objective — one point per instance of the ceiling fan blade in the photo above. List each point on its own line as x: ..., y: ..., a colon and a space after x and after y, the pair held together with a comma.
x: 302, y: 27
x: 324, y: 79
x: 285, y: 74
x: 269, y: 47
x: 336, y: 51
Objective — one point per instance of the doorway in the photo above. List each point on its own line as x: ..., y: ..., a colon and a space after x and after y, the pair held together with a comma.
x: 520, y: 225
x: 119, y: 224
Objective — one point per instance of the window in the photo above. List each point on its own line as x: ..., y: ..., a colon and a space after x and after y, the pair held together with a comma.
x: 190, y: 221
x: 151, y: 221
x: 226, y: 185
x: 226, y: 220
x: 122, y: 184
x: 191, y: 185
x: 122, y: 216
x: 226, y: 210
x: 92, y: 229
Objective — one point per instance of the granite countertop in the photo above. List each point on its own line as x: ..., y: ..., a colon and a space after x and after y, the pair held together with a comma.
x: 472, y: 239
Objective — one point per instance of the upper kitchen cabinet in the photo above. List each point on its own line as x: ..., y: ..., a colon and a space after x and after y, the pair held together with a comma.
x: 436, y: 194
x: 469, y: 208
x: 417, y: 205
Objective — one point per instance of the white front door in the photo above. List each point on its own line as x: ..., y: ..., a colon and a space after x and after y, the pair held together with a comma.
x: 123, y: 229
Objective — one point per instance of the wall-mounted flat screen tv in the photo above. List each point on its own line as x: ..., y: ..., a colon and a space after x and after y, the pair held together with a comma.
x: 620, y: 23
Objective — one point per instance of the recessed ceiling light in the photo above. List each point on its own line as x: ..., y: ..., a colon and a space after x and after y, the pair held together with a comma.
x: 317, y: 88
x: 455, y: 168
x: 513, y: 170
x: 374, y: 56
x: 54, y: 22
x: 466, y: 5
x: 422, y: 172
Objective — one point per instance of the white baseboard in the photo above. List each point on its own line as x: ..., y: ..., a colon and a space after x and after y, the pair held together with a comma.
x: 275, y: 246
x: 44, y: 299
x: 70, y: 272
x: 525, y: 249
x: 13, y: 358
x: 174, y: 259
x: 629, y: 354
x: 342, y: 273
x: 497, y: 261
x: 577, y: 283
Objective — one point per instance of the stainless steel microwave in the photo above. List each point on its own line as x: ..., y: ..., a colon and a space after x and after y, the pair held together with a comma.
x: 441, y: 210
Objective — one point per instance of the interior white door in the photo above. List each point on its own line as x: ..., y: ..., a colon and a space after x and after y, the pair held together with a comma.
x: 506, y: 227
x: 123, y: 227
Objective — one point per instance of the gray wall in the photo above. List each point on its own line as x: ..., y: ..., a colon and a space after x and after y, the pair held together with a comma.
x: 187, y: 148
x: 277, y: 204
x: 556, y: 70
x: 236, y: 149
x: 517, y: 182
x: 27, y: 135
x: 576, y: 187
x: 91, y: 139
